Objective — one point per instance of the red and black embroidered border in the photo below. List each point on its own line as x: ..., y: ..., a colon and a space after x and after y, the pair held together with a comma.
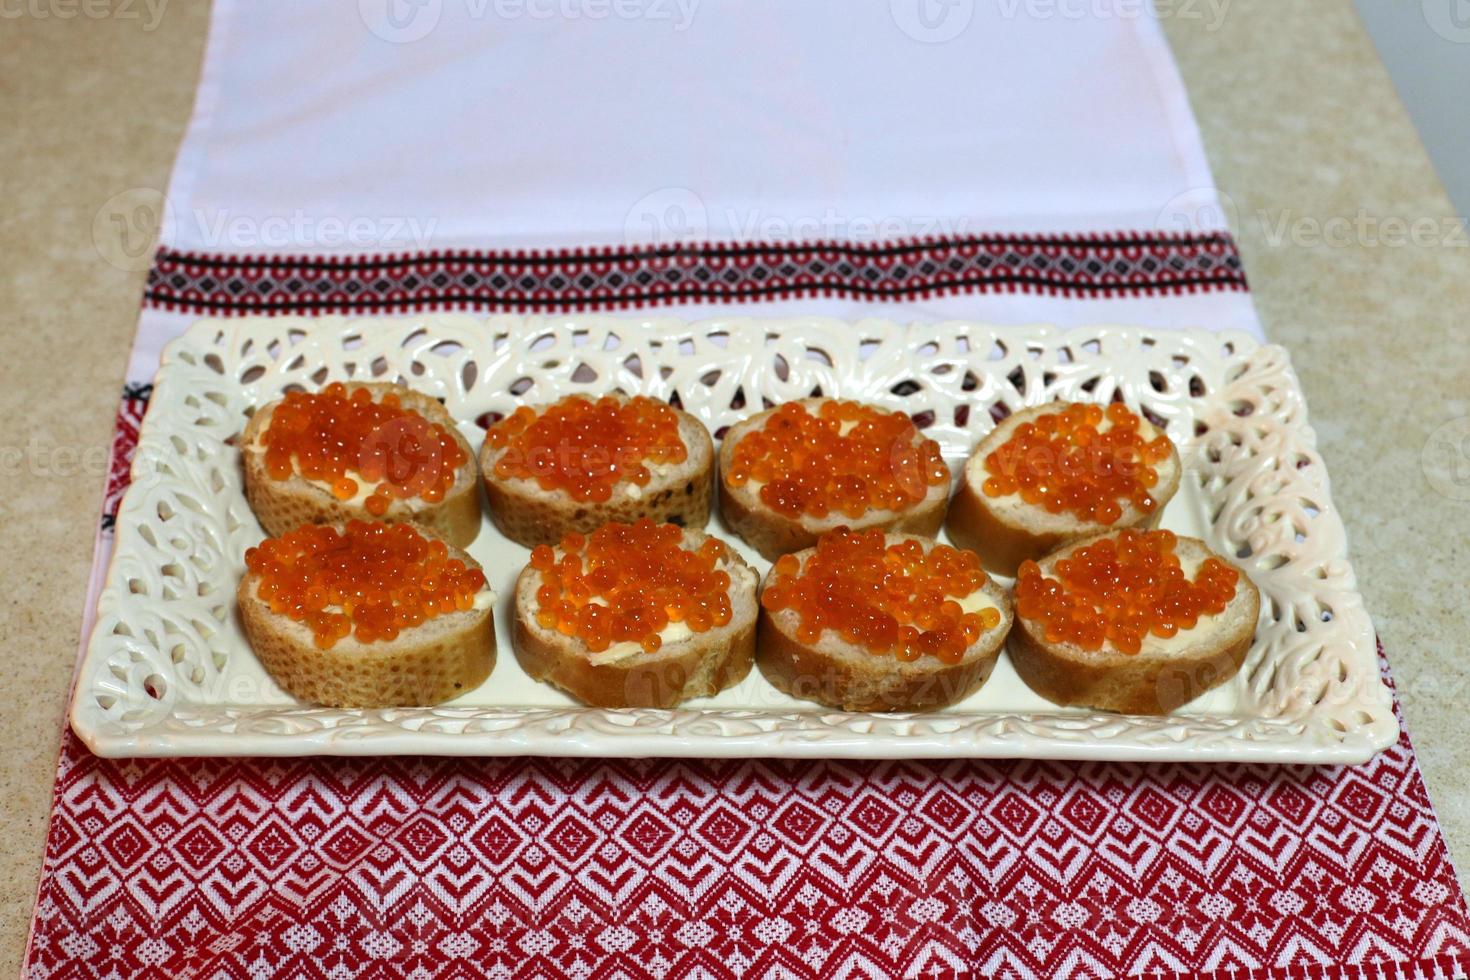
x: 1102, y: 265
x: 130, y: 413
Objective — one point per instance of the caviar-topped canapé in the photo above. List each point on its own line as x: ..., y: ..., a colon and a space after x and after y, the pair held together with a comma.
x: 588, y: 446
x: 1121, y: 590
x: 903, y: 599
x: 342, y: 439
x: 1083, y: 460
x: 626, y: 583
x: 845, y: 458
x: 368, y: 580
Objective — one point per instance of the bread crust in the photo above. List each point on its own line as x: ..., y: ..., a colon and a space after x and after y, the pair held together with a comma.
x: 773, y: 534
x: 1145, y: 683
x: 1003, y: 541
x: 282, y: 506
x: 840, y: 675
x: 697, y: 666
x: 528, y: 515
x: 441, y: 659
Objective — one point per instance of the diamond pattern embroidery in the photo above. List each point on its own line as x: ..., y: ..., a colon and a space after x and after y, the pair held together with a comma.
x: 593, y: 279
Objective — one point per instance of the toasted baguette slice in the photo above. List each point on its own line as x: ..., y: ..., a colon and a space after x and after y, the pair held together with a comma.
x: 433, y: 662
x: 774, y: 534
x: 284, y: 505
x: 842, y: 675
x: 697, y: 665
x: 1005, y: 531
x: 678, y: 494
x: 1163, y: 675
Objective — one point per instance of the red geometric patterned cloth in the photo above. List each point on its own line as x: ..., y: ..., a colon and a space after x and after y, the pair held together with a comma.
x: 675, y: 868
x: 665, y: 868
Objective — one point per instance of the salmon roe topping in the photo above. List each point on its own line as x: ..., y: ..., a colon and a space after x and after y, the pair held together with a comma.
x: 1067, y: 461
x: 369, y: 580
x: 1120, y: 590
x: 898, y: 598
x: 624, y: 583
x: 847, y: 458
x: 338, y: 438
x: 587, y: 447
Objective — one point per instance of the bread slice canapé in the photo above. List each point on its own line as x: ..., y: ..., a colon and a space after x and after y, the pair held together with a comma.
x: 444, y: 655
x: 532, y: 510
x: 282, y: 505
x: 773, y: 533
x: 1163, y: 673
x: 1007, y: 530
x: 837, y: 667
x: 690, y: 658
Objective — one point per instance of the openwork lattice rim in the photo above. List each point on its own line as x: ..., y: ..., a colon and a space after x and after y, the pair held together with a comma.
x: 167, y: 671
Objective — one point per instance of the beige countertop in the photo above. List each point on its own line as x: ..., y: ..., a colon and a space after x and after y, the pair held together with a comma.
x: 1325, y: 173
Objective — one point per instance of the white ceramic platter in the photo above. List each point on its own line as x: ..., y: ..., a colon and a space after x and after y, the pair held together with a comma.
x: 168, y: 671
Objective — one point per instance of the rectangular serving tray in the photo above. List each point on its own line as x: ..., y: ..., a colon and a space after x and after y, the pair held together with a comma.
x: 167, y: 671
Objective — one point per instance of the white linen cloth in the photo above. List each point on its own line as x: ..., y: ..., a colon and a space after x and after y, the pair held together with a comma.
x: 409, y: 126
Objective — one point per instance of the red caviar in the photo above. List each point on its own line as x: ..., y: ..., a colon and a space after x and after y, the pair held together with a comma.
x: 624, y: 583
x: 338, y: 438
x: 1066, y: 461
x: 369, y: 580
x: 1120, y: 590
x: 898, y: 598
x: 587, y: 447
x: 808, y: 465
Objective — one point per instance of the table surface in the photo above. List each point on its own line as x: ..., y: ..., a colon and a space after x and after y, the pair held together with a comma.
x: 1322, y: 168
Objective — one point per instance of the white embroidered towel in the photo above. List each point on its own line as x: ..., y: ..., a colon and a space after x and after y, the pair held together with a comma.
x: 1009, y: 161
